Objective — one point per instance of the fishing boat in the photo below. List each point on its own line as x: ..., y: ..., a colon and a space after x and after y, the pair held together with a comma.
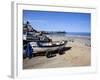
x: 50, y: 49
x: 50, y: 46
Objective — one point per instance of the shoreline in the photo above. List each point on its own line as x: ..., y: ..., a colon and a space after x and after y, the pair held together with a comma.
x: 79, y: 39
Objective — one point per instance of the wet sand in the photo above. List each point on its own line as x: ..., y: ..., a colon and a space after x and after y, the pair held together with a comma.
x: 78, y: 55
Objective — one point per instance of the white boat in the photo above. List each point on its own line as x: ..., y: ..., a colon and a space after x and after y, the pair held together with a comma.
x: 50, y: 49
x: 45, y: 47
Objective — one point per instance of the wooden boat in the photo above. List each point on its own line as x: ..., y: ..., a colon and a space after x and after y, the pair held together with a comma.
x: 48, y: 48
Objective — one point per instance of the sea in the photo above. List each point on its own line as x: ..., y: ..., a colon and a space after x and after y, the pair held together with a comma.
x: 84, y: 34
x: 78, y: 33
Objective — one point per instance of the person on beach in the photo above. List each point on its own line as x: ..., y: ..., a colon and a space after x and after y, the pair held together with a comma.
x: 29, y: 51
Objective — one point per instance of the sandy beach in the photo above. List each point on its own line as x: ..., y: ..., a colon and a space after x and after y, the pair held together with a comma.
x: 78, y: 55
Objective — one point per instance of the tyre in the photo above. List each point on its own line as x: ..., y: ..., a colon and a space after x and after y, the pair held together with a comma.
x: 61, y: 52
x: 50, y: 54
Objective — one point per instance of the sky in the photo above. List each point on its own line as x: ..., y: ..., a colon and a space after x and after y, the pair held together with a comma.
x: 58, y: 21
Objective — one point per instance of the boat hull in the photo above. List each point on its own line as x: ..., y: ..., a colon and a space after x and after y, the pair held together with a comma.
x: 48, y: 48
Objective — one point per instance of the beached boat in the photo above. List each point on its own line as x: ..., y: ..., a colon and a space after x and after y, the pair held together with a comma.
x: 50, y: 46
x: 50, y: 49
